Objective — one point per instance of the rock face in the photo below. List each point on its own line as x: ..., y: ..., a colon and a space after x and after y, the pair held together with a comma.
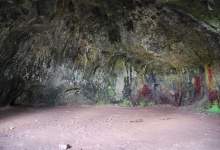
x: 63, y: 52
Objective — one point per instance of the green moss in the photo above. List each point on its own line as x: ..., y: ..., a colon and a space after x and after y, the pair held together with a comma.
x: 119, y: 65
x: 111, y: 49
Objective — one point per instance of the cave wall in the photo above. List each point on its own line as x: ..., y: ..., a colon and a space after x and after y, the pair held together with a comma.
x: 65, y: 52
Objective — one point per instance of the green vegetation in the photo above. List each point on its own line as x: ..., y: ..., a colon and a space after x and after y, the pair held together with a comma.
x: 111, y: 91
x: 214, y: 108
x: 127, y: 102
x: 151, y: 104
x: 101, y: 103
x: 142, y: 103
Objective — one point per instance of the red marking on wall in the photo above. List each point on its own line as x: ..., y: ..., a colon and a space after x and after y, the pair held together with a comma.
x: 145, y: 92
x: 176, y: 96
x: 197, y: 85
x: 213, y: 95
x: 164, y: 99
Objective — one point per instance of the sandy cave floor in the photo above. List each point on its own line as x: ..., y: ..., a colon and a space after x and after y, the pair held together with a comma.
x: 107, y: 128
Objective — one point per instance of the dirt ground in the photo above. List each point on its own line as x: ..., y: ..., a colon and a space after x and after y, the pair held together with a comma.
x: 108, y: 128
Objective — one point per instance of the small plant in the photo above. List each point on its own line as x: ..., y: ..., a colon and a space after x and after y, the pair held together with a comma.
x: 111, y: 91
x: 151, y: 104
x: 142, y: 103
x: 100, y: 103
x: 214, y: 108
x: 127, y: 102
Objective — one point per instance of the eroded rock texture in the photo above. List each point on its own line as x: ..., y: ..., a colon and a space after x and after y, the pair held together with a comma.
x: 65, y: 52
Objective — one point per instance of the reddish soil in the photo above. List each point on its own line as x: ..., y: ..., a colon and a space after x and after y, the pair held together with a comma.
x: 107, y: 128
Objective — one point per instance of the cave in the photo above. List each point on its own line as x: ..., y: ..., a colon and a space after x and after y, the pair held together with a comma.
x: 109, y: 74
